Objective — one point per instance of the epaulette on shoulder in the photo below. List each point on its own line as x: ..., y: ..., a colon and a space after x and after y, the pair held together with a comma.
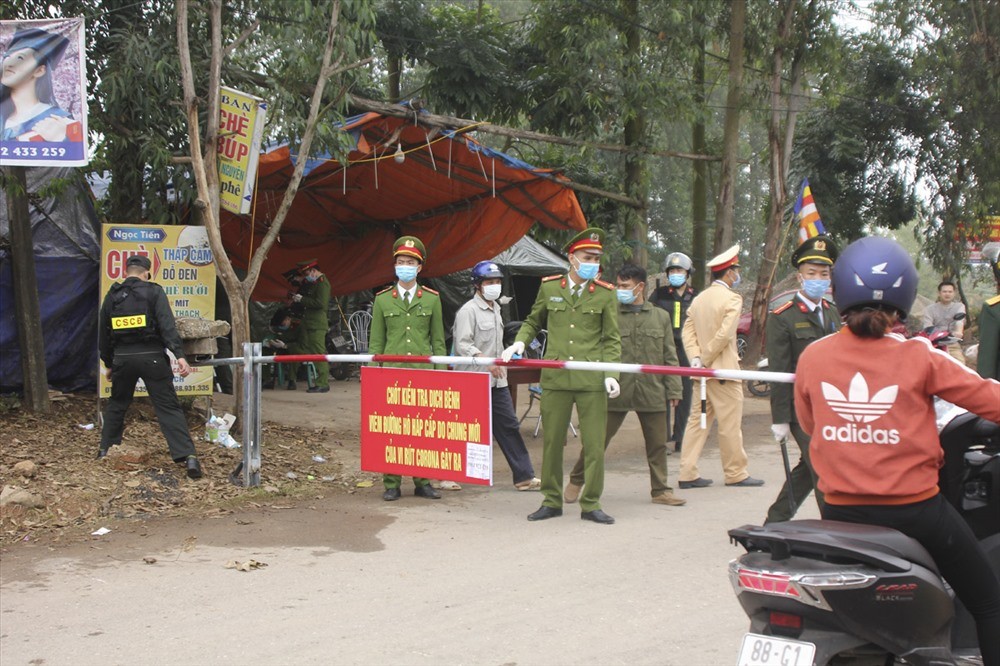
x: 430, y: 290
x: 551, y: 277
x: 782, y: 308
x: 379, y: 293
x: 994, y: 300
x: 606, y: 285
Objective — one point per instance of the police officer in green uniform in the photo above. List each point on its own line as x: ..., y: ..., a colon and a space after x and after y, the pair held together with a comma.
x: 580, y: 313
x: 136, y: 324
x: 407, y: 321
x: 314, y: 297
x: 988, y: 362
x: 790, y: 328
x: 282, y: 339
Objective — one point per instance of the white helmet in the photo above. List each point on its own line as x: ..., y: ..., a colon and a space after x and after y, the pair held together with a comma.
x: 677, y: 260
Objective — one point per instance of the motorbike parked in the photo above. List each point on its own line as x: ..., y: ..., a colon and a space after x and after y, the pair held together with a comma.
x: 826, y: 592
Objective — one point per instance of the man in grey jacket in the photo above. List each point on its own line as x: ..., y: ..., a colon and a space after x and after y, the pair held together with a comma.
x: 479, y: 332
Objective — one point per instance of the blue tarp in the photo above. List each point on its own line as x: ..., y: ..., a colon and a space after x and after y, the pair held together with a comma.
x: 66, y: 240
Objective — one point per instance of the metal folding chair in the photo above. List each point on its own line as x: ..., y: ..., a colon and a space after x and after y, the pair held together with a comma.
x: 359, y: 324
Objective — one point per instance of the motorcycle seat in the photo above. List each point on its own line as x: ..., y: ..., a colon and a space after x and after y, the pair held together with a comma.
x: 879, y: 546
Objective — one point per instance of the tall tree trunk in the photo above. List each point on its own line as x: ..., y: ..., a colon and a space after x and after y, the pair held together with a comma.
x: 124, y: 155
x: 724, y: 208
x: 778, y: 141
x: 26, y: 307
x: 699, y: 187
x: 637, y: 227
x: 204, y: 165
x: 395, y: 66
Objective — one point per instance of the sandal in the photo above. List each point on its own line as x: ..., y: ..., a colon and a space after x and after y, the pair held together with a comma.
x: 530, y: 484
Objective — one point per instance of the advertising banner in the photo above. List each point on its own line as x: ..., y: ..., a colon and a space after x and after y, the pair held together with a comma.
x: 433, y: 424
x: 182, y: 265
x: 43, y: 93
x: 241, y: 125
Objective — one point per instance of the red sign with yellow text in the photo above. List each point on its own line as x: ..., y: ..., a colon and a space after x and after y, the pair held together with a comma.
x: 432, y: 424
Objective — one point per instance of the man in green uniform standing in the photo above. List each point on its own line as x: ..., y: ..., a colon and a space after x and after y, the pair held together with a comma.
x: 314, y: 297
x: 790, y: 329
x: 988, y: 363
x: 647, y: 340
x: 581, y: 315
x: 407, y: 321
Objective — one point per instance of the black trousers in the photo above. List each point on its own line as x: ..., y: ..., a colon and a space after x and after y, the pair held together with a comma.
x: 940, y: 529
x: 154, y: 369
x: 507, y: 432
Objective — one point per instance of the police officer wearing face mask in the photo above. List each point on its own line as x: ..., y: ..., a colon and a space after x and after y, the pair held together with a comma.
x: 790, y: 329
x: 136, y: 324
x: 676, y: 298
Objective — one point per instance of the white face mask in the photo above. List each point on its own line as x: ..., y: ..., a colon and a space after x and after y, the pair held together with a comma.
x: 491, y: 292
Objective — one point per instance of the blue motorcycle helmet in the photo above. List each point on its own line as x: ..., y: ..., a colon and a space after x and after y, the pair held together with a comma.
x: 485, y: 270
x: 875, y: 272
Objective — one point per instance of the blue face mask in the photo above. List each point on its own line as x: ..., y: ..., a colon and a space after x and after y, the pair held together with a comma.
x: 406, y: 273
x: 312, y: 278
x: 736, y: 282
x: 587, y: 271
x: 815, y: 289
x: 626, y: 296
x: 677, y: 279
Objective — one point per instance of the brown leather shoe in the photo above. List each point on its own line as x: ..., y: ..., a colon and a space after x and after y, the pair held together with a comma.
x: 572, y: 493
x: 669, y: 499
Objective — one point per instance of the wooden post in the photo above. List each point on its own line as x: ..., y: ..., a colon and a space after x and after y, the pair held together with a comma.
x: 27, y: 311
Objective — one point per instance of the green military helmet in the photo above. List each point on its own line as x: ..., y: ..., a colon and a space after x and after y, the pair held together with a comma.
x: 409, y: 246
x: 590, y: 239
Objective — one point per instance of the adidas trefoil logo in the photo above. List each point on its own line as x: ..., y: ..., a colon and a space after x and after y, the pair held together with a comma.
x: 859, y: 407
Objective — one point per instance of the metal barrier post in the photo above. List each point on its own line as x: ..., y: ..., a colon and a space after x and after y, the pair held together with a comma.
x: 251, y: 414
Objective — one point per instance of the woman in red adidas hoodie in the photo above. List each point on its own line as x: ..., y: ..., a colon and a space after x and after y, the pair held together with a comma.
x: 866, y: 398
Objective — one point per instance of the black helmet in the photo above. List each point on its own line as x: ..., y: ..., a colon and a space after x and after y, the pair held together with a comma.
x: 875, y: 271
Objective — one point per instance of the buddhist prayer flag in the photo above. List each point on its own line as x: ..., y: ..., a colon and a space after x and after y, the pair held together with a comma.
x: 805, y: 211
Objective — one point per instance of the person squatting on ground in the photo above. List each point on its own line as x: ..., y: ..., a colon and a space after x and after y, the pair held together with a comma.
x: 790, y: 329
x: 580, y: 313
x: 866, y: 398
x: 710, y: 342
x: 676, y: 298
x: 407, y: 321
x: 478, y: 331
x: 136, y: 323
x: 646, y: 339
x: 313, y: 296
x: 282, y: 339
x: 940, y: 316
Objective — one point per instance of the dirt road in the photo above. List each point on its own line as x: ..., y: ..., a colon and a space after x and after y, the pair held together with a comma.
x: 350, y: 579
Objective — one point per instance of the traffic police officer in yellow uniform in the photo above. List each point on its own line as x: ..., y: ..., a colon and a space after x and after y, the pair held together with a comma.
x: 580, y: 313
x: 709, y: 336
x: 407, y: 321
x: 790, y: 328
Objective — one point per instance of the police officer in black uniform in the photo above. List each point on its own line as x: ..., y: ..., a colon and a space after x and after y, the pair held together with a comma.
x: 136, y: 325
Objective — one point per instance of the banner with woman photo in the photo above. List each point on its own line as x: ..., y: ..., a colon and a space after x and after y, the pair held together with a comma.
x: 43, y: 97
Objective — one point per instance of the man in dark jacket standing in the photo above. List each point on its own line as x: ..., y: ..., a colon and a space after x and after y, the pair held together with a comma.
x: 676, y: 298
x: 646, y: 340
x: 136, y: 324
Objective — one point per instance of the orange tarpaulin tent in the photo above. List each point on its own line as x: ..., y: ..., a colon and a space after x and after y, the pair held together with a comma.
x: 465, y: 201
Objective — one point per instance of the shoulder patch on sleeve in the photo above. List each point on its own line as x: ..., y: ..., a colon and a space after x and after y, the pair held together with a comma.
x: 429, y: 290
x: 379, y: 293
x: 551, y: 277
x: 994, y: 300
x: 606, y: 285
x: 782, y: 308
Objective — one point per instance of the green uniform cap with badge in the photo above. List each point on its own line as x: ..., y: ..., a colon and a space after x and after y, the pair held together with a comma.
x: 409, y: 246
x: 304, y: 266
x: 816, y: 250
x: 590, y: 240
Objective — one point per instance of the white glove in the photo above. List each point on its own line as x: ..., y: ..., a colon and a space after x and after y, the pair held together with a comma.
x: 516, y: 348
x: 278, y: 344
x: 297, y: 297
x: 612, y: 387
x: 696, y: 362
x: 781, y: 431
